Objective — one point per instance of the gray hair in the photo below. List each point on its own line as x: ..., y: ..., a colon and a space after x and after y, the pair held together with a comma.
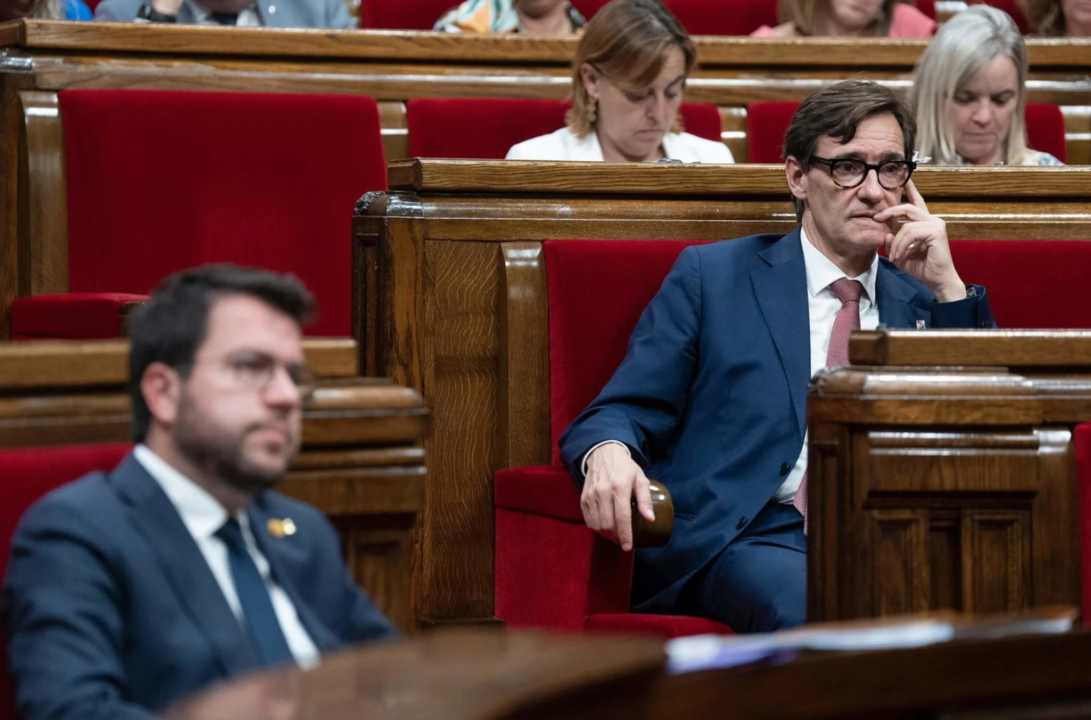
x: 963, y: 46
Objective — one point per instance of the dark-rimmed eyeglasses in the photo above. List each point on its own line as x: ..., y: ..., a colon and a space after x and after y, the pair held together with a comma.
x: 850, y: 172
x: 254, y: 371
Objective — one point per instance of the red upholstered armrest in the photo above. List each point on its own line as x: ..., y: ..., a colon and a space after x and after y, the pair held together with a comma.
x: 546, y: 490
x: 72, y: 316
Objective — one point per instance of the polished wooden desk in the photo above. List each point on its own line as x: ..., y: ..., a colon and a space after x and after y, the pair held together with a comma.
x: 942, y: 473
x: 511, y: 676
x: 450, y: 300
x: 362, y: 462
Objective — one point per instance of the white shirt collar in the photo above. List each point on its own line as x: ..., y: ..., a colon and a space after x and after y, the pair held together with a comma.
x: 201, y: 513
x: 821, y: 272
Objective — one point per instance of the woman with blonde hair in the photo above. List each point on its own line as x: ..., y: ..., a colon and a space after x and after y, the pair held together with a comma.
x: 849, y: 18
x: 968, y: 91
x: 628, y: 79
x: 1059, y: 18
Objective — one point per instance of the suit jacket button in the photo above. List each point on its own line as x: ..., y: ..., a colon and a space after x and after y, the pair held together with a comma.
x: 785, y: 468
x: 741, y: 523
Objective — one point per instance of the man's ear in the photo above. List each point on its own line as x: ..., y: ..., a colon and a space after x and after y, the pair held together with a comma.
x: 797, y: 178
x: 590, y: 80
x: 161, y: 386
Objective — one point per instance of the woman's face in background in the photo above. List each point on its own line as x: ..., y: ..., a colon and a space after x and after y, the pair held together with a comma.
x: 852, y: 17
x: 982, y: 110
x: 633, y: 121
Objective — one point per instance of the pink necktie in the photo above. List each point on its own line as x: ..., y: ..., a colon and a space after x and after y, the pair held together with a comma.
x: 846, y: 320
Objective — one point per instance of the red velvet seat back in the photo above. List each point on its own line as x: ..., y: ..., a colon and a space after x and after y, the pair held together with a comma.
x: 28, y: 474
x: 597, y: 291
x: 160, y: 181
x: 1011, y: 7
x: 1032, y: 284
x: 482, y: 128
x: 1045, y: 130
x: 588, y: 8
x: 403, y: 14
x: 766, y: 123
x: 486, y: 128
x: 723, y: 17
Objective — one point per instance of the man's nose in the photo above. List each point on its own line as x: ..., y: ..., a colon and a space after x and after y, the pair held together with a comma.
x: 281, y: 390
x: 870, y: 188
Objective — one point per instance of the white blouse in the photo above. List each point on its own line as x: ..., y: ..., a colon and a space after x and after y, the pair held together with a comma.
x: 564, y: 145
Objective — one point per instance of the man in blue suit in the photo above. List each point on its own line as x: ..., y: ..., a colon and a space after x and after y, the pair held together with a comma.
x: 127, y: 590
x: 711, y: 396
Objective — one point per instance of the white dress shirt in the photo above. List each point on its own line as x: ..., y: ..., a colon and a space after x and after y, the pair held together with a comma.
x: 564, y: 145
x: 822, y: 307
x: 203, y: 515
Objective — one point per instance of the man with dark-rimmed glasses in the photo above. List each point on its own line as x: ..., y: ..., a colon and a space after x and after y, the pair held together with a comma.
x: 711, y: 396
x: 182, y: 567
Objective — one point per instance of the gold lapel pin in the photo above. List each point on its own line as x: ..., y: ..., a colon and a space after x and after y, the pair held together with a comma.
x: 280, y: 528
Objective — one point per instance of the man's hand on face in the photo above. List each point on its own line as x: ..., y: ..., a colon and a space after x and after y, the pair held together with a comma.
x: 613, y: 479
x: 920, y: 247
x: 167, y: 7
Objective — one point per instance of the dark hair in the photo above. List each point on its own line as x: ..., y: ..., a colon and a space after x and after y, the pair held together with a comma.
x: 836, y: 112
x: 172, y: 325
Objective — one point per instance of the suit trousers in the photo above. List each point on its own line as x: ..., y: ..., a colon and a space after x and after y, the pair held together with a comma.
x: 758, y: 583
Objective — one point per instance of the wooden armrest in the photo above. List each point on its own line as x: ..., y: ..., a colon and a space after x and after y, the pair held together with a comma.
x: 657, y: 533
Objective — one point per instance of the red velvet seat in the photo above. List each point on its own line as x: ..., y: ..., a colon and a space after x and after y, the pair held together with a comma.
x: 486, y: 128
x: 723, y: 17
x: 30, y: 473
x: 551, y: 570
x: 766, y: 123
x: 1081, y: 439
x: 403, y: 14
x: 1014, y: 272
x: 255, y: 179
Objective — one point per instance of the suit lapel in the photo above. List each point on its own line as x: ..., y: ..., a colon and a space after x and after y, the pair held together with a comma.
x: 273, y: 549
x: 781, y: 289
x: 899, y: 304
x: 155, y: 517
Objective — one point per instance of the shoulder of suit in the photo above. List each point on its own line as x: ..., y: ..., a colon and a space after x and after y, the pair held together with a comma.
x: 87, y: 501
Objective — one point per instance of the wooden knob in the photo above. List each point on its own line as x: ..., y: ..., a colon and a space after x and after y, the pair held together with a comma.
x: 656, y: 533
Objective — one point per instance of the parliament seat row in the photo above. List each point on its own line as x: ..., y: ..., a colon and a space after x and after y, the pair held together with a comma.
x: 131, y: 213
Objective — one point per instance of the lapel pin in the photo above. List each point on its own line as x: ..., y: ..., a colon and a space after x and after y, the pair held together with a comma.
x: 280, y: 528
x: 920, y: 325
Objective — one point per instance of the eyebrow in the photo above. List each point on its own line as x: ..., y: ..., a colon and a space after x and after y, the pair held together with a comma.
x: 885, y: 157
x: 680, y: 78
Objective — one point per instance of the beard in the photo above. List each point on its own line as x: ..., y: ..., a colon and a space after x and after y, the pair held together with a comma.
x: 221, y: 454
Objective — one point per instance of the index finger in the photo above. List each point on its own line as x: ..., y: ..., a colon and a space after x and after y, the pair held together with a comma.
x: 914, y: 196
x: 623, y: 522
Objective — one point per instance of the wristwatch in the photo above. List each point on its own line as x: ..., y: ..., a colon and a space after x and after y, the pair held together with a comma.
x: 150, y: 14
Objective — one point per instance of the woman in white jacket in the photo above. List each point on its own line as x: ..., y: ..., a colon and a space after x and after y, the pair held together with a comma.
x: 628, y: 79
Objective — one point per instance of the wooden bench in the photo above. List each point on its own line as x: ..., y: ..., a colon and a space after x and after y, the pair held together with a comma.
x: 451, y: 300
x: 362, y: 462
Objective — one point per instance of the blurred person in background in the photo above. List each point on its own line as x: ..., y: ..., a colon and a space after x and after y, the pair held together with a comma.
x: 241, y: 13
x: 628, y: 80
x: 44, y: 10
x: 848, y: 18
x: 1059, y: 18
x: 532, y: 17
x: 969, y: 93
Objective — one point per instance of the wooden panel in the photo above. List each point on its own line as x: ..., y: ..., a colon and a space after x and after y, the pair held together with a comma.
x: 462, y: 361
x: 944, y: 560
x: 46, y: 201
x: 996, y: 560
x: 395, y: 133
x: 524, y: 357
x: 14, y: 265
x: 1019, y: 349
x: 900, y: 570
x: 64, y: 363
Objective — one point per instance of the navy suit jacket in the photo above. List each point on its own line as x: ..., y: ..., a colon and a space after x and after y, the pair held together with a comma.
x: 112, y: 612
x: 711, y: 395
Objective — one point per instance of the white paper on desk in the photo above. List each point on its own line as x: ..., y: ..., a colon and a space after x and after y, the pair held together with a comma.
x: 706, y: 652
